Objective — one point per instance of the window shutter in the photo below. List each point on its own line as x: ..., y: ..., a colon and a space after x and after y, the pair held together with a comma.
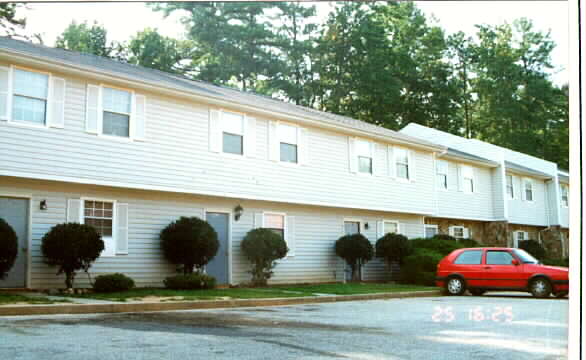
x: 379, y: 229
x: 121, y: 228
x: 250, y: 137
x: 412, y: 167
x: 451, y: 231
x: 475, y: 179
x: 56, y: 103
x: 376, y: 168
x: 523, y: 193
x: 5, y: 92
x: 466, y: 233
x: 303, y: 145
x: 257, y: 220
x: 139, y: 117
x: 274, y: 150
x: 460, y: 181
x: 215, y: 133
x: 352, y: 154
x: 391, y: 160
x: 74, y: 207
x: 290, y: 234
x: 400, y: 228
x: 93, y: 109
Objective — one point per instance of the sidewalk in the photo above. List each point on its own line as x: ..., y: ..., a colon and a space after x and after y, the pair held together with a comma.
x: 93, y: 306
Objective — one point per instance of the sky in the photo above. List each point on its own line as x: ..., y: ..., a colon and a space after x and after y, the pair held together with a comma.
x: 123, y: 20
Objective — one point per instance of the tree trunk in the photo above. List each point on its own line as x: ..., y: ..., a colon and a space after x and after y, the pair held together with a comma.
x: 69, y: 277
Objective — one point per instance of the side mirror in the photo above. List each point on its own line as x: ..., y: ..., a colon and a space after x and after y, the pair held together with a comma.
x: 515, y: 262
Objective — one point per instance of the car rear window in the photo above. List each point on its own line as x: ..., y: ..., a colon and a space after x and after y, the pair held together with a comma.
x: 498, y: 258
x: 469, y: 257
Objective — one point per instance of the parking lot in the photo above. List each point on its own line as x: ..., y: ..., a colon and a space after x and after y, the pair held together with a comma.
x: 493, y: 326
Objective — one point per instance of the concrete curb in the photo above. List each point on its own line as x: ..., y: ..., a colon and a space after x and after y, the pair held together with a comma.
x: 193, y: 305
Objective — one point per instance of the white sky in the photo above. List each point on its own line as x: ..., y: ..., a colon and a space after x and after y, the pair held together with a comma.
x: 122, y: 20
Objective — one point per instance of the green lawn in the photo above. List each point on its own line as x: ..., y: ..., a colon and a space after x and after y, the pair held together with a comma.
x: 6, y: 299
x: 354, y: 288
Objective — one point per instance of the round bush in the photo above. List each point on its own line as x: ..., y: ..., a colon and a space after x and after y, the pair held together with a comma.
x: 420, y: 267
x: 441, y: 244
x: 393, y: 247
x: 356, y: 250
x: 557, y: 262
x: 534, y: 248
x: 113, y: 283
x: 194, y: 281
x: 190, y: 242
x: 444, y: 237
x: 71, y: 247
x: 262, y: 247
x: 8, y: 248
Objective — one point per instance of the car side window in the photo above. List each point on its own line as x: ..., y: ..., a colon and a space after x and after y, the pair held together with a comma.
x: 498, y: 258
x: 469, y: 257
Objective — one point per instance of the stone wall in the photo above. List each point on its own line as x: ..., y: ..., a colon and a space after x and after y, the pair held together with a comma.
x: 476, y: 228
x: 555, y: 242
x: 496, y: 233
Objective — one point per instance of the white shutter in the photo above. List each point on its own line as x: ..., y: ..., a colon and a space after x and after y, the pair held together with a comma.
x: 5, y: 92
x: 475, y: 178
x: 303, y: 145
x: 352, y: 154
x: 74, y: 210
x: 459, y: 176
x: 290, y: 234
x: 412, y: 167
x: 391, y: 160
x: 400, y: 228
x: 215, y: 133
x: 466, y: 233
x: 451, y: 231
x: 380, y: 229
x: 523, y: 193
x: 274, y: 151
x: 93, y: 109
x: 515, y: 189
x: 121, y: 228
x: 139, y: 117
x: 250, y: 137
x: 257, y: 221
x: 56, y: 103
x: 376, y: 168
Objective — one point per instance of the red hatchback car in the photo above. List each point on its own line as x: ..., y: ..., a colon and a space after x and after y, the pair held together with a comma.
x: 481, y: 269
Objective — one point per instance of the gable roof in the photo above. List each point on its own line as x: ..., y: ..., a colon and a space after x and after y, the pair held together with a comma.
x: 177, y: 82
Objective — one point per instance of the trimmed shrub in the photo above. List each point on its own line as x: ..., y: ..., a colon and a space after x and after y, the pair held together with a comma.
x: 189, y: 241
x: 469, y: 243
x: 71, y: 247
x: 8, y: 248
x: 420, y: 267
x: 113, y: 283
x: 534, y: 248
x: 444, y: 237
x: 441, y: 244
x: 193, y: 281
x: 557, y: 262
x: 393, y: 247
x: 262, y: 247
x: 356, y: 250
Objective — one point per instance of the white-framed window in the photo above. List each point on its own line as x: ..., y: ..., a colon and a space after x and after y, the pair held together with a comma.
x: 442, y: 174
x: 30, y: 93
x: 232, y: 128
x: 510, y: 188
x: 528, y: 189
x: 430, y: 230
x: 391, y: 226
x: 117, y: 110
x: 564, y: 194
x: 459, y: 232
x: 467, y: 174
x: 364, y: 152
x: 100, y: 214
x: 402, y: 163
x: 351, y: 227
x: 275, y: 223
x: 519, y: 236
x: 281, y: 224
x: 288, y: 143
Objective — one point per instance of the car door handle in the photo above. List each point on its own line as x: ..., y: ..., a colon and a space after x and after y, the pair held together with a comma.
x: 487, y: 267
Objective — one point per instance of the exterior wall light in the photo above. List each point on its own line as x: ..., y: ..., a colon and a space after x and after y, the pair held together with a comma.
x: 43, y: 205
x: 366, y: 226
x: 238, y: 210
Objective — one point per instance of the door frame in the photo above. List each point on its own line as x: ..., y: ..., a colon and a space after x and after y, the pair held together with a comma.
x: 29, y: 231
x: 229, y: 245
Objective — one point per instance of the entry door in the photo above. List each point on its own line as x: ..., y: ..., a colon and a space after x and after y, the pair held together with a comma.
x: 15, y: 213
x: 218, y: 267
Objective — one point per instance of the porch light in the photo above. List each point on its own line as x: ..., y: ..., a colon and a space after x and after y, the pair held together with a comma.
x: 366, y: 226
x: 43, y: 205
x: 238, y: 210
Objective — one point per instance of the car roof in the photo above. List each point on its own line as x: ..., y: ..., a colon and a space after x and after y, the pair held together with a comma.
x: 486, y: 248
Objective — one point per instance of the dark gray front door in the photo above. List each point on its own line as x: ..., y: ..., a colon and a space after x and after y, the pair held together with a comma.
x: 218, y: 267
x: 15, y: 213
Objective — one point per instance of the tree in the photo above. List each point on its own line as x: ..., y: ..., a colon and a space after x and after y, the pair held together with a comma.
x: 8, y: 248
x: 189, y: 241
x: 9, y: 23
x: 262, y: 247
x: 356, y: 250
x: 86, y: 39
x: 393, y: 247
x: 150, y: 49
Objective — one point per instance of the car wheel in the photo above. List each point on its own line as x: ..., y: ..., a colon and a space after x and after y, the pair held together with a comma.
x: 561, y: 294
x: 455, y: 286
x: 477, y: 292
x: 540, y: 288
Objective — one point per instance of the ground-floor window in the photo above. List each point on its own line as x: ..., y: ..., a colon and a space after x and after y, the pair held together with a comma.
x: 519, y: 236
x: 352, y: 227
x: 430, y: 231
x: 459, y: 232
x: 275, y: 223
x: 100, y: 215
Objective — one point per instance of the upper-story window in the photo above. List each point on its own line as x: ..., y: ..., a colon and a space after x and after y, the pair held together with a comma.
x: 442, y: 174
x: 564, y: 194
x: 510, y: 189
x: 30, y: 94
x: 467, y: 179
x: 402, y: 163
x: 288, y: 143
x: 232, y: 133
x: 528, y: 189
x: 116, y: 112
x: 364, y: 153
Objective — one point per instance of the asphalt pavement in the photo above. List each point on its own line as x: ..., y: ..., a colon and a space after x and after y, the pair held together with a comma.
x: 493, y: 326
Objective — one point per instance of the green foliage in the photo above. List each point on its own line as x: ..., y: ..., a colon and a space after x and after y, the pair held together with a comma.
x: 393, y: 247
x: 420, y: 267
x: 86, y: 39
x: 150, y: 49
x: 356, y: 250
x: 190, y: 242
x: 441, y: 245
x: 469, y: 243
x: 534, y: 248
x: 113, y: 283
x: 8, y: 248
x: 557, y: 262
x: 9, y: 23
x: 262, y: 247
x: 71, y: 247
x: 194, y: 281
